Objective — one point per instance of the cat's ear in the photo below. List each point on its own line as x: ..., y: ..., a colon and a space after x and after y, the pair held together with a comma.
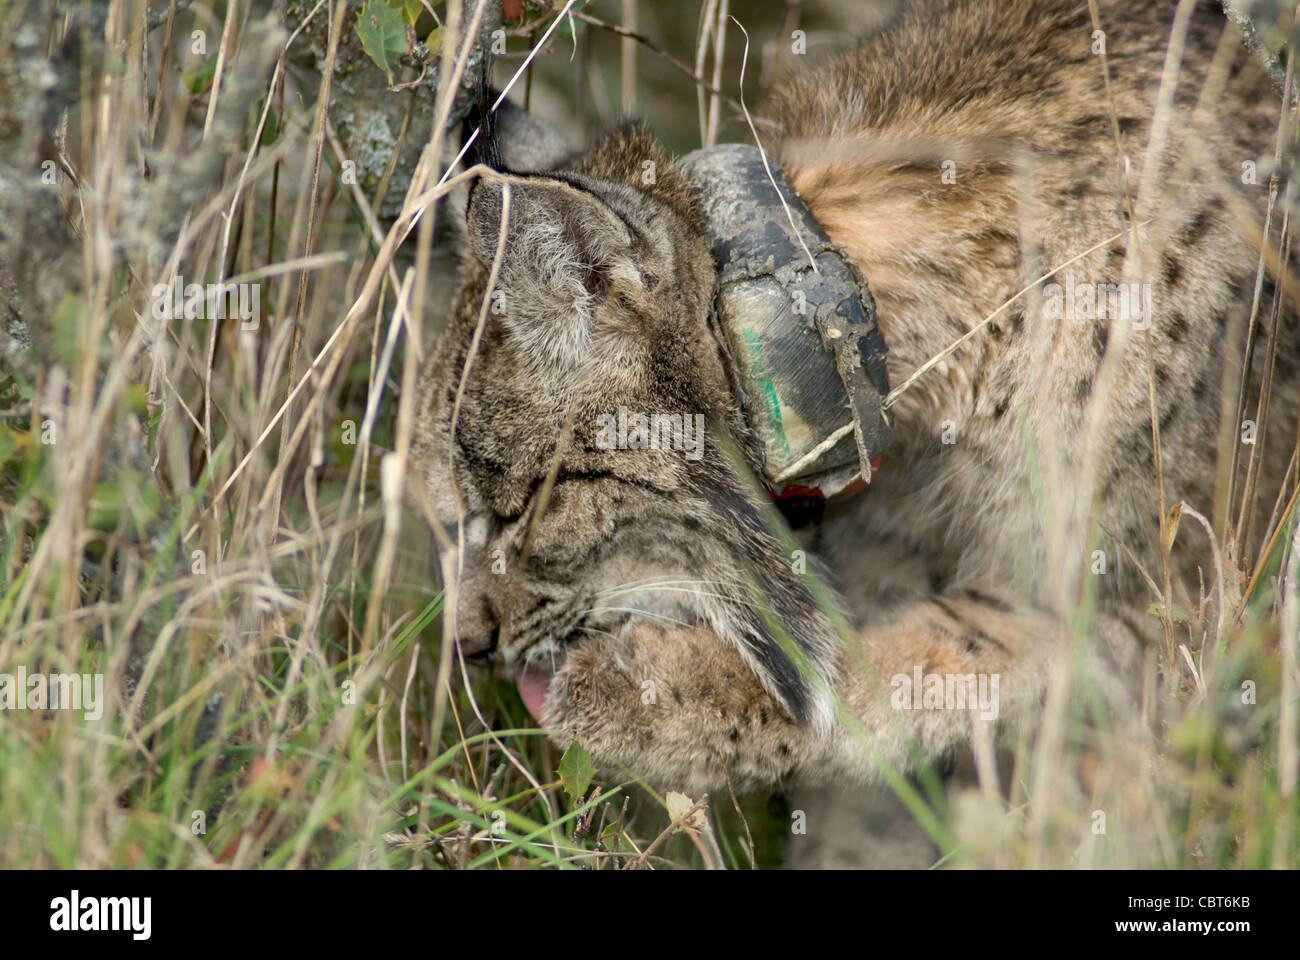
x: 630, y: 154
x: 561, y: 245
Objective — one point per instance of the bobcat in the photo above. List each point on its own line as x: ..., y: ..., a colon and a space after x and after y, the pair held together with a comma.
x: 645, y: 600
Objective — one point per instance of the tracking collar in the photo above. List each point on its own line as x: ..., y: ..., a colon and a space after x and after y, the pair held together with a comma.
x: 808, y: 354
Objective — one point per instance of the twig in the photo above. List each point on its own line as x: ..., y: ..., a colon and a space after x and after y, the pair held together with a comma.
x: 678, y: 822
x: 719, y: 55
x: 673, y: 61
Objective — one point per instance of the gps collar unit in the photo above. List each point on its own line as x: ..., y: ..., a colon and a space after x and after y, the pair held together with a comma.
x: 809, y: 358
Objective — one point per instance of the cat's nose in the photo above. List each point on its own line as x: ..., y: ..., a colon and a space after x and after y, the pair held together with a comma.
x: 477, y: 625
x: 481, y: 646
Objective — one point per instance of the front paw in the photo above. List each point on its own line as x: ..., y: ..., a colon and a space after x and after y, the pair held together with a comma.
x: 675, y: 707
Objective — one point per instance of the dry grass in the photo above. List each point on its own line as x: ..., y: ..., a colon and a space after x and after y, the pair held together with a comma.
x: 214, y: 518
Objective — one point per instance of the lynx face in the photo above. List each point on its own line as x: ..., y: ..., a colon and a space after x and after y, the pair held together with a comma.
x: 601, y: 316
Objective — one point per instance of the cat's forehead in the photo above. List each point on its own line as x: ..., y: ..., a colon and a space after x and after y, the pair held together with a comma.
x: 661, y: 236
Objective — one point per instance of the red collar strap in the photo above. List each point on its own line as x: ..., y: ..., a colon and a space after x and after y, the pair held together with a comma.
x: 797, y: 491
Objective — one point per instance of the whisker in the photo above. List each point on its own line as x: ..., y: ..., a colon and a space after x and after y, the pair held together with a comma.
x: 656, y: 582
x: 640, y: 612
x: 612, y: 636
x: 675, y: 589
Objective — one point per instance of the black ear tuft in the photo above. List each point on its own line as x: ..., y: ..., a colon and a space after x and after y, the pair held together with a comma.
x: 486, y: 148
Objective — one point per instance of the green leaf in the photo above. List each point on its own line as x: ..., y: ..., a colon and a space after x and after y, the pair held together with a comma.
x: 134, y: 400
x: 411, y: 9
x: 201, y: 78
x: 105, y: 505
x: 1178, y: 614
x: 576, y: 770
x: 383, y: 35
x: 8, y: 444
x: 67, y: 328
x: 434, y: 40
x: 123, y: 496
x: 565, y: 31
x: 271, y: 130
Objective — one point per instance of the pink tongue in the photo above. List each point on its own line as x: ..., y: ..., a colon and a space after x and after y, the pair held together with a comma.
x: 532, y: 688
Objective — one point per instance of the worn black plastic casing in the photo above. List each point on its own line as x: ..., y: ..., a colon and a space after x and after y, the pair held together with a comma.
x: 809, y: 356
